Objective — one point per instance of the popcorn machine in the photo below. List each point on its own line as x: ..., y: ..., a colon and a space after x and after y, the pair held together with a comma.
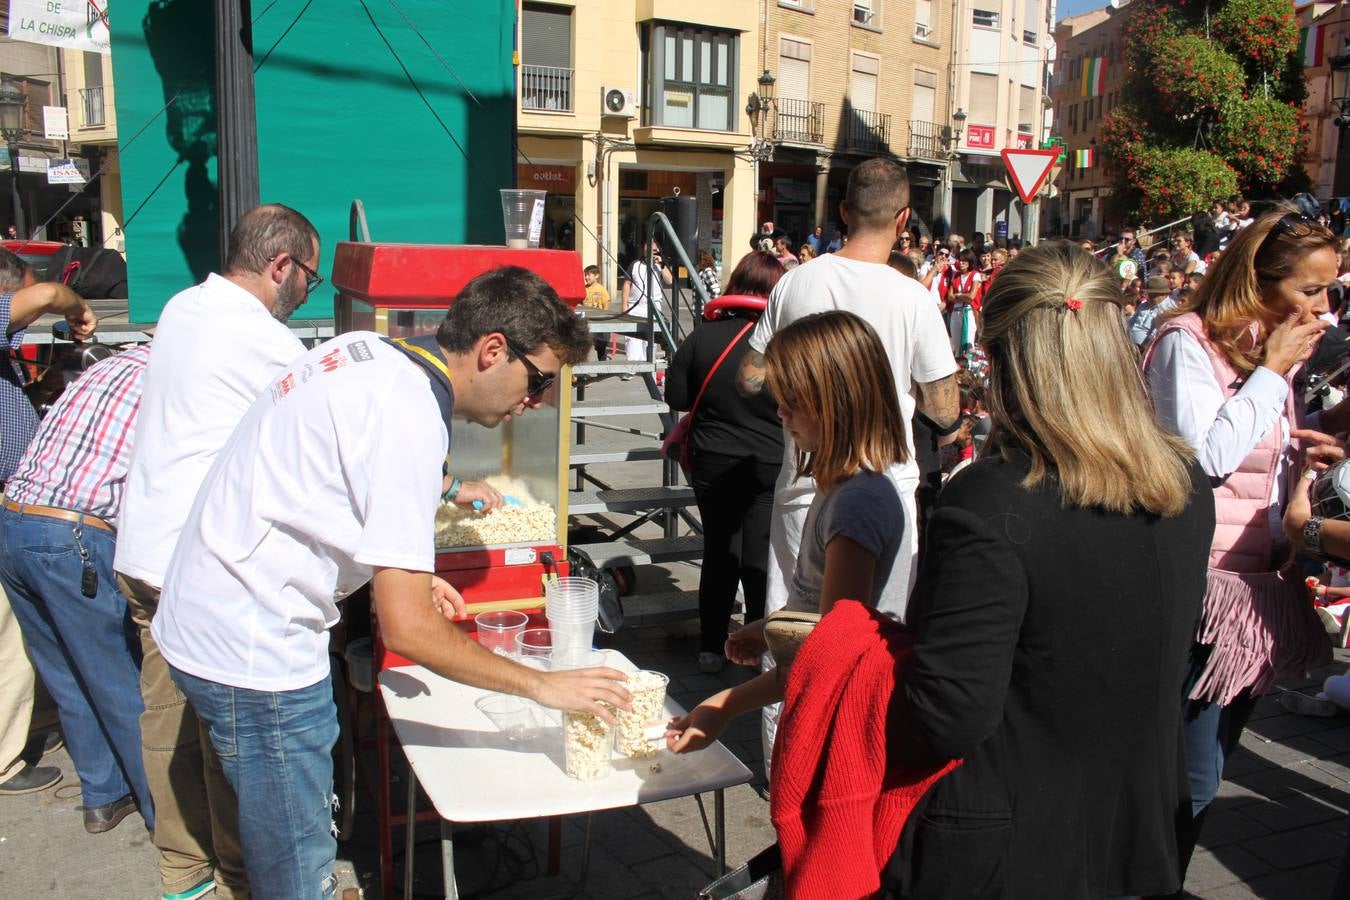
x: 500, y: 559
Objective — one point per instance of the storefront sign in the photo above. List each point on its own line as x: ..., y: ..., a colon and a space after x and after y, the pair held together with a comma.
x: 55, y: 126
x: 66, y: 171
x: 980, y: 137
x: 554, y: 179
x: 790, y: 190
x: 1024, y: 142
x: 74, y: 24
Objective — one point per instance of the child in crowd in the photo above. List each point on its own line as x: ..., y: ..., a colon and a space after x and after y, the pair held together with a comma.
x: 837, y: 398
x: 597, y: 297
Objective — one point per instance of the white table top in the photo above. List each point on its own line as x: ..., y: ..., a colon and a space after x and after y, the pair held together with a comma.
x: 472, y: 773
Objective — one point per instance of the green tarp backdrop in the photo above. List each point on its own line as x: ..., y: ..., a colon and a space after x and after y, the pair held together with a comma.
x: 352, y: 102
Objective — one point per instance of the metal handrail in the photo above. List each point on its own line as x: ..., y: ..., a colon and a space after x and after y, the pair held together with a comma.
x: 546, y: 88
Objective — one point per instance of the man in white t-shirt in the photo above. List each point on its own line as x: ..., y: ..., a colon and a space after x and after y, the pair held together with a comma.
x: 857, y: 279
x: 217, y: 345
x: 331, y: 480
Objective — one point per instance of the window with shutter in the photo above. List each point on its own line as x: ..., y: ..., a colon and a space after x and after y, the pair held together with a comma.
x: 862, y: 83
x: 983, y: 99
x: 923, y: 20
x: 794, y: 69
x: 925, y: 95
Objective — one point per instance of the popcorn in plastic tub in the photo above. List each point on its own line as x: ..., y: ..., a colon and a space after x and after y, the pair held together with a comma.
x: 647, y: 710
x: 587, y: 745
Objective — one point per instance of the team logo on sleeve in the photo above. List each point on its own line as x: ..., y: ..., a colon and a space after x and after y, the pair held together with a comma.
x: 336, y: 358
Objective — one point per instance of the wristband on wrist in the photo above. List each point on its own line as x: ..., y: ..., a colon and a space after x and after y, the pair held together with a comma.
x: 453, y: 491
x: 1312, y: 534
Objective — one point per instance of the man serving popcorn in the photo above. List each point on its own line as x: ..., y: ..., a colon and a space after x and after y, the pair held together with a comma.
x: 331, y: 480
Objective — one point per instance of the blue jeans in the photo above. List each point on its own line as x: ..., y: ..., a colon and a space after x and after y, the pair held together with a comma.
x: 1211, y: 732
x: 276, y: 749
x: 85, y: 648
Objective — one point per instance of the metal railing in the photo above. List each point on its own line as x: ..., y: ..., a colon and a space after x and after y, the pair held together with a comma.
x: 869, y: 132
x: 799, y: 120
x: 91, y: 101
x: 926, y: 140
x: 546, y: 87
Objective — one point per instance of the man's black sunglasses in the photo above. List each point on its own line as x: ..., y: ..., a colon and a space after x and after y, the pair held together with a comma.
x: 539, y: 381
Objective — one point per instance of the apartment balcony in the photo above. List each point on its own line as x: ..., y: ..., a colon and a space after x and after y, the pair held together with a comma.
x: 927, y: 140
x: 546, y: 87
x: 91, y: 103
x: 799, y: 121
x: 868, y: 132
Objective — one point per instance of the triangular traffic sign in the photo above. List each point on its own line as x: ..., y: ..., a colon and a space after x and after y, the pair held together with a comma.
x: 1029, y: 169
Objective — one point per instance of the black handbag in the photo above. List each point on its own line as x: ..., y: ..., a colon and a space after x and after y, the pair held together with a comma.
x: 761, y: 878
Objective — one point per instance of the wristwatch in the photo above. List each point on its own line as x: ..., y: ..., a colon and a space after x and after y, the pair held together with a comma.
x: 1312, y: 534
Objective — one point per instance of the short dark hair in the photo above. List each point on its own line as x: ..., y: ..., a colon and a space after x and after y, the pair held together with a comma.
x: 12, y: 270
x: 517, y: 303
x: 591, y: 270
x: 900, y: 262
x: 264, y: 233
x: 877, y: 190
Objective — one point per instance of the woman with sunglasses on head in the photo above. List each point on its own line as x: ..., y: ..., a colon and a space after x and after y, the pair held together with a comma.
x: 1060, y: 583
x: 1223, y: 377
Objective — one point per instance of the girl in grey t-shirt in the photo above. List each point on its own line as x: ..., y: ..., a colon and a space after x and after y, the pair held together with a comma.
x: 837, y: 398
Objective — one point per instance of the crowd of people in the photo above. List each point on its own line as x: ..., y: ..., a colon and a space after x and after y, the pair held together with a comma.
x: 1177, y: 522
x: 180, y: 530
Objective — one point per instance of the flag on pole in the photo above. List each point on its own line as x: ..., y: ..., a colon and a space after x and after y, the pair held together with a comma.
x: 1082, y: 159
x: 1094, y: 77
x: 1311, y: 44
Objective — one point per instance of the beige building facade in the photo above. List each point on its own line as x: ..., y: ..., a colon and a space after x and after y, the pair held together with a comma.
x: 621, y: 105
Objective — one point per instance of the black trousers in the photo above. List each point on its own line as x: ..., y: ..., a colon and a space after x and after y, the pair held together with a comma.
x: 735, y: 498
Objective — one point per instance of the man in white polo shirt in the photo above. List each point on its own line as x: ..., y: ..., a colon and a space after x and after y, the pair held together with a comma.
x: 333, y: 479
x: 217, y: 345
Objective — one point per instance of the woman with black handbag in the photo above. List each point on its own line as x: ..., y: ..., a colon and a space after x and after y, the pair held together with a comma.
x: 735, y: 445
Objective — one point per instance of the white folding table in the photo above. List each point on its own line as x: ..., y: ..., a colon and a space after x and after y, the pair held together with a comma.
x: 473, y: 773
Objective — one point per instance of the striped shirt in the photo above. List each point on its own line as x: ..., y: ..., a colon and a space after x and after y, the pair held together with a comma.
x: 18, y: 419
x: 80, y: 456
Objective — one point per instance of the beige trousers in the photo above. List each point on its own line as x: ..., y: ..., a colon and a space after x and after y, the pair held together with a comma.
x: 16, y: 692
x: 196, y: 814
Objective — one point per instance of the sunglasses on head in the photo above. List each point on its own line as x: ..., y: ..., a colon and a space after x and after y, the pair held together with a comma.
x: 539, y: 381
x: 1294, y: 224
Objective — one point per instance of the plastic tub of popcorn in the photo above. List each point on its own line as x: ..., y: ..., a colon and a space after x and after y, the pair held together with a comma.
x: 588, y: 740
x: 644, y: 717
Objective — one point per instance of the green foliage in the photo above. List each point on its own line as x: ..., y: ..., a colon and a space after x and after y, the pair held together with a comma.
x: 1192, y: 76
x: 1261, y: 138
x: 1171, y: 183
x: 1263, y: 33
x: 1210, y: 105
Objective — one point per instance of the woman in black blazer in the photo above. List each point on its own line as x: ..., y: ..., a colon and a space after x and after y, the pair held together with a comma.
x: 1053, y: 611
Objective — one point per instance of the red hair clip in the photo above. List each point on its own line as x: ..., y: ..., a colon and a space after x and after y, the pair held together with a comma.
x: 1073, y: 303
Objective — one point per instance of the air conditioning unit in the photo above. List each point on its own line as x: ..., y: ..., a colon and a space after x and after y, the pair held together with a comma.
x: 621, y: 102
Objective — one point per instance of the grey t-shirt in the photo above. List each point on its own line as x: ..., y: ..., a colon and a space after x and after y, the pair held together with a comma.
x: 867, y: 510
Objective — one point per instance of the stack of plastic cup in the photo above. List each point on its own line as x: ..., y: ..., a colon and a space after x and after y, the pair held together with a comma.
x: 572, y: 605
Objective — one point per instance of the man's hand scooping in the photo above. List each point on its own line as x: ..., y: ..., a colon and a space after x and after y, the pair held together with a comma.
x: 584, y: 690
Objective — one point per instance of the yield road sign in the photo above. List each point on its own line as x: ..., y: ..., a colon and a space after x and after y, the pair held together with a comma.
x: 1029, y: 169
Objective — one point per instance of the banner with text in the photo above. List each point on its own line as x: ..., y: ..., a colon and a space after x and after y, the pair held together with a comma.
x: 61, y: 23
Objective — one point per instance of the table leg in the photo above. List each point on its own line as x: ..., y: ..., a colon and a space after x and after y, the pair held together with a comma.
x: 410, y: 835
x: 720, y: 817
x: 555, y: 839
x: 448, y: 861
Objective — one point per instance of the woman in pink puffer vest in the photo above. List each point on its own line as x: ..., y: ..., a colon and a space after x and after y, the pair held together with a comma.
x: 1222, y: 373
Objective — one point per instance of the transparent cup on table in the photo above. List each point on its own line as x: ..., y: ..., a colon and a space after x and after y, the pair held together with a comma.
x: 497, y: 630
x: 588, y: 740
x: 534, y: 648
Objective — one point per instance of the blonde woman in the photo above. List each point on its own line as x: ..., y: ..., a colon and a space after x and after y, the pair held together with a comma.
x: 1222, y: 378
x: 837, y: 400
x: 1061, y: 580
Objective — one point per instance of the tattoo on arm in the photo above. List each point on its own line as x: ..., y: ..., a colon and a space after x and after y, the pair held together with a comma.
x: 941, y: 401
x: 750, y: 376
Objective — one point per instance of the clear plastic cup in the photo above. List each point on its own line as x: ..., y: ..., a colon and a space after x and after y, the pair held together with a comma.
x: 513, y: 716
x: 572, y: 599
x: 534, y: 646
x: 646, y: 710
x: 497, y: 631
x: 523, y: 217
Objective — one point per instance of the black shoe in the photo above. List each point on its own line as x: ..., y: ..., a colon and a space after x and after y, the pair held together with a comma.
x: 53, y: 742
x: 30, y: 780
x: 98, y: 819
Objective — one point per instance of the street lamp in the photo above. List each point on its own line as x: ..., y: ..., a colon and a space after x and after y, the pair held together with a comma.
x: 951, y: 138
x: 12, y: 102
x: 1340, y: 74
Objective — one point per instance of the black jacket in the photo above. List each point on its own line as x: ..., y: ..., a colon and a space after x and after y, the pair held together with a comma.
x: 1050, y: 650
